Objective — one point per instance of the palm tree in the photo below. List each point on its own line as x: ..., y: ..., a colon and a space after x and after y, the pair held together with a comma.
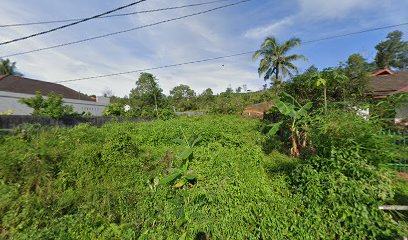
x: 274, y: 60
x: 8, y: 68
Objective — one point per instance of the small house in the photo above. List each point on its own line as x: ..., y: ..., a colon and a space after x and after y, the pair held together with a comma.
x: 14, y: 88
x: 257, y: 110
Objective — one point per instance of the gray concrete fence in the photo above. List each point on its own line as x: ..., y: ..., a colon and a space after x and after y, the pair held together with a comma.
x: 12, y: 121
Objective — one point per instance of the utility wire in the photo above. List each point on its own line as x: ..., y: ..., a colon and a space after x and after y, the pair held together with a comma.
x: 155, y: 68
x: 228, y: 56
x: 127, y: 30
x: 111, y: 16
x: 72, y: 24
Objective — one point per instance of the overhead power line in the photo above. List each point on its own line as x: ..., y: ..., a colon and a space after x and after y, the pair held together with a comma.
x: 112, y: 15
x: 228, y: 56
x: 127, y: 30
x: 155, y: 68
x: 72, y: 24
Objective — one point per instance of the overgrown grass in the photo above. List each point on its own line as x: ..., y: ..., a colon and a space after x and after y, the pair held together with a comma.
x: 101, y: 183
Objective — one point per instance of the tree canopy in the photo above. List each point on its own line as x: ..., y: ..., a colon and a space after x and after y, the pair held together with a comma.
x: 393, y: 52
x: 8, y: 68
x: 52, y: 106
x: 275, y: 61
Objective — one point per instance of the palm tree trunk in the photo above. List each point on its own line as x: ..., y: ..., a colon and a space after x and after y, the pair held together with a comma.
x: 277, y: 79
x: 325, y: 100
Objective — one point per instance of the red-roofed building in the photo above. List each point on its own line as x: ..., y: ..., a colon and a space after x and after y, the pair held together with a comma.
x: 385, y: 83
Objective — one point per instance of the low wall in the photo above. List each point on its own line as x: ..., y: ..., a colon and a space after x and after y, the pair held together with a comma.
x: 12, y: 121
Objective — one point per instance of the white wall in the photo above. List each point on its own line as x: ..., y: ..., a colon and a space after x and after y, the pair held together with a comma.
x: 9, y: 101
x: 402, y: 114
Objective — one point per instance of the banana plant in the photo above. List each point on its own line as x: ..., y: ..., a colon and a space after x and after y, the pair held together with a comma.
x: 183, y: 175
x: 288, y: 106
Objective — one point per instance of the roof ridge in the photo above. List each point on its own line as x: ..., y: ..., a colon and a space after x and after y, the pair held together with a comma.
x: 4, y: 76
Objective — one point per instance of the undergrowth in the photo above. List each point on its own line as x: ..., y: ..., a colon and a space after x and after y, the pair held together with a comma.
x: 102, y: 183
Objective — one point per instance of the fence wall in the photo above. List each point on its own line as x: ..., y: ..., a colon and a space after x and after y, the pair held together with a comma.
x: 12, y: 121
x: 399, y: 138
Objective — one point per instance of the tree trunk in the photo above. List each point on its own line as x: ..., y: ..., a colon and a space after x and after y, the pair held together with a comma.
x: 325, y: 100
x: 155, y: 105
x: 277, y: 79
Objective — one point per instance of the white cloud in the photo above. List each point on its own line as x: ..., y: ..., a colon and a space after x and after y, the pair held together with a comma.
x: 310, y: 13
x: 273, y: 29
x: 332, y: 9
x: 184, y: 40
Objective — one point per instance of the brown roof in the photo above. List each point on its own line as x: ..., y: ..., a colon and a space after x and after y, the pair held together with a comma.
x: 387, y: 84
x: 18, y: 84
x: 259, y: 107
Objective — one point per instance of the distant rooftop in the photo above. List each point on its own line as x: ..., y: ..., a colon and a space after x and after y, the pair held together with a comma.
x: 386, y: 82
x: 18, y: 84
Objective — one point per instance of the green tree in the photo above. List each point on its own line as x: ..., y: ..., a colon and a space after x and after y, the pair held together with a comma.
x: 181, y: 92
x: 182, y: 97
x: 52, y: 106
x: 392, y: 52
x: 8, y: 68
x: 145, y: 99
x: 207, y: 92
x: 357, y: 70
x: 275, y: 61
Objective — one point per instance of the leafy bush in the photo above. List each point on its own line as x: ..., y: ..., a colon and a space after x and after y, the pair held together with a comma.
x: 341, y: 196
x: 344, y: 130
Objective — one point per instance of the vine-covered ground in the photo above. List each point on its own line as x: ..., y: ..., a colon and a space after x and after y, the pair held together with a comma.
x: 105, y: 183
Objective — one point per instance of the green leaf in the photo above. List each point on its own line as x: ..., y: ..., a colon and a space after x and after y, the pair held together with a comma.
x: 185, y: 154
x: 289, y: 99
x: 190, y: 177
x: 185, y: 167
x: 303, y: 111
x: 170, y: 178
x: 321, y: 81
x: 195, y: 141
x: 275, y: 128
x: 285, y: 108
x: 181, y: 183
x: 179, y: 141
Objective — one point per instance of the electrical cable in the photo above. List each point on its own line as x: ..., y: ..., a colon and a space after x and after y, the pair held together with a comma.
x: 111, y: 16
x: 228, y: 56
x: 125, y: 31
x: 71, y: 24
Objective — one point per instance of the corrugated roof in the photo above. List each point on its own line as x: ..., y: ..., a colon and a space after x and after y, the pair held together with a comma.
x: 381, y: 85
x: 18, y: 84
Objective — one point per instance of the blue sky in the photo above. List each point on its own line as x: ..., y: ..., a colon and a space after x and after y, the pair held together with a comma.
x: 236, y: 29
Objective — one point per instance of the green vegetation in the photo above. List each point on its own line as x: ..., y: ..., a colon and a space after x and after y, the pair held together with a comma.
x: 104, y: 183
x: 8, y: 68
x: 313, y: 168
x: 274, y: 62
x: 52, y: 106
x: 392, y: 52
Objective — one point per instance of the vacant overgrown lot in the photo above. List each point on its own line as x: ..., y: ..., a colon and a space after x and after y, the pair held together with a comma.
x: 106, y: 183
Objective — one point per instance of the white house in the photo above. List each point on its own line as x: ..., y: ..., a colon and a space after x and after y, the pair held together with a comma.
x: 13, y: 88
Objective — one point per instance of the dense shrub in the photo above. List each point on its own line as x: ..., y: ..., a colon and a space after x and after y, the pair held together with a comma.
x: 102, y: 183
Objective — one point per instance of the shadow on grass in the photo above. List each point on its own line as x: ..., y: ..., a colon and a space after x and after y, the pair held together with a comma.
x: 277, y: 162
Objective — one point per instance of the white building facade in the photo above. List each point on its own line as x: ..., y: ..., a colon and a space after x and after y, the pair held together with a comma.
x: 14, y: 88
x: 9, y: 102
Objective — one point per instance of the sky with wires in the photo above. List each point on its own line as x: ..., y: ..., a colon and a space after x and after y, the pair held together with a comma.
x: 226, y: 31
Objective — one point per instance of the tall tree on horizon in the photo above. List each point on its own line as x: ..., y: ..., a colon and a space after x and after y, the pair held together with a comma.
x: 275, y: 61
x: 392, y: 52
x: 8, y: 68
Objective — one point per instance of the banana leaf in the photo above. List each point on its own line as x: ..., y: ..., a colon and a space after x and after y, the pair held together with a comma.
x: 170, y: 178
